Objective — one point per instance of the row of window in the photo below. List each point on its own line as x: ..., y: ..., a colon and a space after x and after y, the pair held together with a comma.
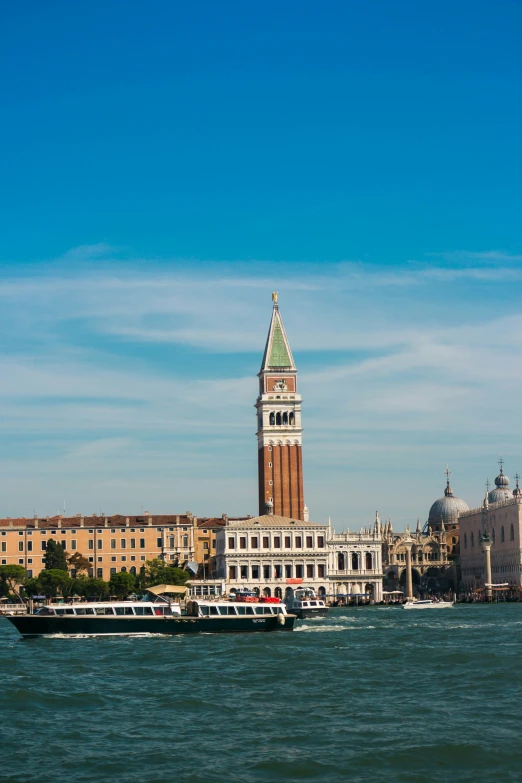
x: 72, y: 546
x: 281, y: 419
x: 276, y: 542
x: 62, y: 531
x: 279, y: 571
x: 493, y: 536
x: 343, y: 559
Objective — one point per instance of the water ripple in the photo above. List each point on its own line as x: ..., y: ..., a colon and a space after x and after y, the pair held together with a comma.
x: 365, y: 695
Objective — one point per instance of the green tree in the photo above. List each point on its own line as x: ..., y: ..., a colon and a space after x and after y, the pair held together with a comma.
x: 156, y: 572
x: 122, y: 583
x: 32, y: 587
x: 92, y: 588
x: 52, y: 581
x: 10, y: 577
x: 55, y: 556
x: 79, y: 563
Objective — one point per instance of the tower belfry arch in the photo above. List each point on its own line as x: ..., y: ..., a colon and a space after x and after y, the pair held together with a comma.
x: 279, y: 430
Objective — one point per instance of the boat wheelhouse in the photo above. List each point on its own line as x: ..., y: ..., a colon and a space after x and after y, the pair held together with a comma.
x: 303, y: 602
x: 135, y: 618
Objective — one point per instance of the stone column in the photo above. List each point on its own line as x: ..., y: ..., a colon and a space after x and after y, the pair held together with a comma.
x: 486, y: 546
x: 409, y: 582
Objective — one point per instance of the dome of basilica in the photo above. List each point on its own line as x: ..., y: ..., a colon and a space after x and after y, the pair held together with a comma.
x: 501, y: 491
x: 446, y: 509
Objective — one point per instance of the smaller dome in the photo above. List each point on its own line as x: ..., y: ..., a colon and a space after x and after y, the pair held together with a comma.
x: 501, y: 491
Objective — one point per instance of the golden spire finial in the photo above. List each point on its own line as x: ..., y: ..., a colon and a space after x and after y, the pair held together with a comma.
x: 274, y: 297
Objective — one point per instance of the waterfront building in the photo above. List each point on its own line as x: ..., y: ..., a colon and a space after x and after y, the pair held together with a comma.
x: 499, y: 521
x: 434, y: 548
x: 279, y: 430
x: 110, y: 543
x: 355, y: 563
x: 269, y: 552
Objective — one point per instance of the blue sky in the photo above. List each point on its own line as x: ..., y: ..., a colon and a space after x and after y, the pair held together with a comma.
x: 166, y: 166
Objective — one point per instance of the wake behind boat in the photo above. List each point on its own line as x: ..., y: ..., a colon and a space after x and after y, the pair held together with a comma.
x: 129, y: 618
x: 427, y: 604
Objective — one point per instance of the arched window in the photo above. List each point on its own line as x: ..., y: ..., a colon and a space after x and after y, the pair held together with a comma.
x: 285, y: 418
x: 278, y: 419
x: 502, y: 534
x: 123, y: 569
x: 133, y: 570
x: 512, y: 534
x: 465, y: 541
x: 292, y: 418
x: 272, y: 418
x: 340, y: 561
x: 369, y: 564
x: 472, y: 539
x: 355, y: 561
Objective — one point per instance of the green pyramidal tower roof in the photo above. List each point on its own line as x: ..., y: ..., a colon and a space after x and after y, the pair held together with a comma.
x: 277, y: 351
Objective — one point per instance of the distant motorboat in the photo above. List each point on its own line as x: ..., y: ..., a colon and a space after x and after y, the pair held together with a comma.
x: 427, y: 604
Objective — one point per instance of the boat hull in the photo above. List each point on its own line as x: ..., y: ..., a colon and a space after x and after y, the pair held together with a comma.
x: 34, y: 625
x: 439, y: 605
x: 303, y: 614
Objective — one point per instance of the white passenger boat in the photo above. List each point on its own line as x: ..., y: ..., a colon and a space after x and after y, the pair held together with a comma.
x: 303, y: 602
x: 428, y: 604
x: 124, y: 618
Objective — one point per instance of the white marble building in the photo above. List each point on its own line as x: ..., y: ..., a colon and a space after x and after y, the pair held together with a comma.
x: 270, y: 552
x: 355, y: 563
x: 264, y: 553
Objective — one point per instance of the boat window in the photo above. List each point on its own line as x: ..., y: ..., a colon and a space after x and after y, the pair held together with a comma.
x: 313, y: 603
x: 304, y: 603
x: 260, y: 609
x: 129, y: 610
x: 203, y: 610
x: 249, y: 609
x: 69, y: 611
x: 119, y: 610
x: 241, y: 609
x: 108, y: 610
x: 60, y: 611
x: 148, y: 610
x: 140, y: 610
x: 213, y: 610
x: 89, y: 610
x: 81, y: 610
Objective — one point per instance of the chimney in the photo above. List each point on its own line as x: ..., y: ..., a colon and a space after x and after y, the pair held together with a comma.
x: 127, y: 521
x: 149, y: 521
x: 105, y: 522
x: 82, y: 522
x: 35, y: 522
x: 59, y: 524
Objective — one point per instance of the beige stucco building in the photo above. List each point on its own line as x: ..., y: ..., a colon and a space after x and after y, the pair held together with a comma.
x: 111, y: 544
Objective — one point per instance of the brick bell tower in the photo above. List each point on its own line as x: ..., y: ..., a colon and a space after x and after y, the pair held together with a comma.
x: 279, y: 431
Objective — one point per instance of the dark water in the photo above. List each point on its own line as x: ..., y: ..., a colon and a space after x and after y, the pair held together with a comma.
x: 367, y: 695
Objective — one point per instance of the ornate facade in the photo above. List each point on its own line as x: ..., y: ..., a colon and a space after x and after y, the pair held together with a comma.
x: 355, y: 563
x: 500, y: 520
x: 279, y: 430
x: 434, y: 549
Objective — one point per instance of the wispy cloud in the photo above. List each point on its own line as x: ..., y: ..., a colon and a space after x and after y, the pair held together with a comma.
x: 138, y: 378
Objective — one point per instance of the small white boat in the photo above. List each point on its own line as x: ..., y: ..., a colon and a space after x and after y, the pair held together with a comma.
x: 428, y: 604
